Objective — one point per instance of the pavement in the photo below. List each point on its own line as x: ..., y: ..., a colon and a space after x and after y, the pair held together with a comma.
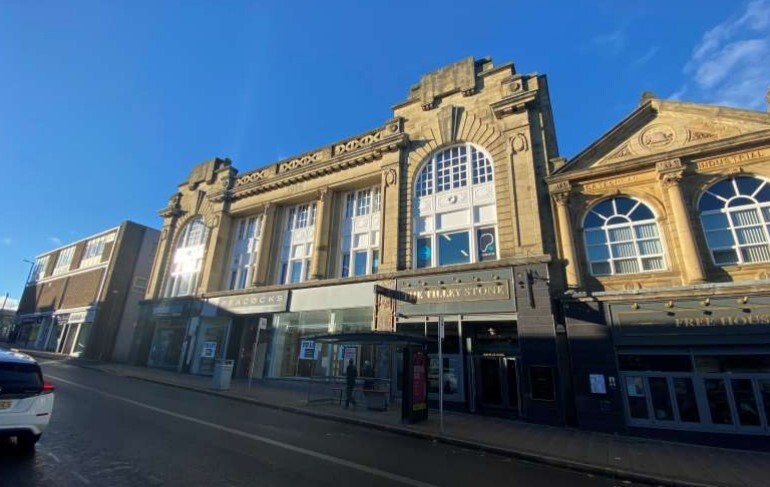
x: 619, y: 457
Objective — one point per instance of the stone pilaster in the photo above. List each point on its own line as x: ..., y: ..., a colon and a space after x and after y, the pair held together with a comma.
x: 217, y: 252
x: 560, y: 193
x: 320, y: 260
x: 262, y: 275
x: 389, y: 218
x: 670, y: 176
x: 163, y: 254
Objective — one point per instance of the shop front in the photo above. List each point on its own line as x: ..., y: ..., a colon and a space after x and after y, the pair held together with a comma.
x: 480, y: 350
x: 237, y: 328
x: 161, y: 338
x: 71, y: 331
x: 346, y: 308
x: 699, y: 363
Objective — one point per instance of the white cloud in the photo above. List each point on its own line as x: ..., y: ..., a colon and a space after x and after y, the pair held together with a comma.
x: 55, y: 241
x: 611, y: 44
x: 730, y: 66
x: 7, y: 241
x: 11, y: 303
x: 645, y: 58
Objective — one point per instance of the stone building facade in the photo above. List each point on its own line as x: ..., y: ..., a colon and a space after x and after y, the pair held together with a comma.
x: 664, y: 232
x: 442, y: 212
x: 82, y: 299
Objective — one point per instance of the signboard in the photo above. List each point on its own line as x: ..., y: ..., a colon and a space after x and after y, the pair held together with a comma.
x: 472, y: 291
x: 209, y: 349
x: 487, y: 244
x: 307, y: 350
x: 81, y: 317
x: 598, y: 385
x: 414, y: 399
x: 247, y: 304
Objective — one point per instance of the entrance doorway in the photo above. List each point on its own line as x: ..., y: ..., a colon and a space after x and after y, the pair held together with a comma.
x: 497, y: 383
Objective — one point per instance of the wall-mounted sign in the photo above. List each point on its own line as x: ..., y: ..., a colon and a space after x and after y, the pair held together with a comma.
x: 598, y: 385
x: 486, y: 243
x: 209, y: 349
x: 81, y: 317
x: 246, y: 304
x: 307, y: 350
x: 472, y: 291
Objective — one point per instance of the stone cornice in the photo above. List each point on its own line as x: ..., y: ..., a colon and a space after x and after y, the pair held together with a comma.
x: 649, y: 162
x: 514, y: 103
x: 354, y: 151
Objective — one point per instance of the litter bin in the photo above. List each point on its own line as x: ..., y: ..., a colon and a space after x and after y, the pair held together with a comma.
x: 223, y: 372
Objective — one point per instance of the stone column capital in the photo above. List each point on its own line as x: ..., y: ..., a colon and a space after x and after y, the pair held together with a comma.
x: 560, y: 192
x: 671, y: 179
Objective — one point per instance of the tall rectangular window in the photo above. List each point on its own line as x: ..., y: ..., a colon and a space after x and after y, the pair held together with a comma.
x: 92, y: 255
x: 38, y: 269
x: 360, y: 233
x: 297, y: 243
x: 64, y: 261
x: 245, y: 251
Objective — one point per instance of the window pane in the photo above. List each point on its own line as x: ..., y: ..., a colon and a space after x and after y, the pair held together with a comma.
x: 486, y: 242
x: 642, y: 212
x: 592, y: 220
x: 722, y: 238
x: 710, y: 202
x: 637, y: 397
x: 725, y: 256
x: 594, y: 237
x: 759, y: 253
x: 745, y: 402
x: 648, y: 230
x: 453, y: 248
x: 620, y: 234
x: 745, y: 217
x: 375, y: 261
x: 360, y: 263
x: 653, y: 264
x: 650, y: 247
x: 764, y: 194
x: 719, y: 406
x: 605, y: 209
x: 424, y: 252
x: 723, y: 188
x: 623, y: 250
x: 714, y: 221
x: 747, y: 185
x: 661, y: 399
x: 598, y: 253
x: 624, y: 205
x: 346, y: 264
x: 600, y: 268
x: 685, y: 400
x: 296, y: 271
x: 751, y: 235
x: 626, y: 266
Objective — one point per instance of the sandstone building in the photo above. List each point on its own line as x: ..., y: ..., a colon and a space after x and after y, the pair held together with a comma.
x: 82, y: 298
x: 664, y: 230
x: 443, y: 209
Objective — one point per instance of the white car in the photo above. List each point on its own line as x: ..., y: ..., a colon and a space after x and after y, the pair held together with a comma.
x: 26, y: 399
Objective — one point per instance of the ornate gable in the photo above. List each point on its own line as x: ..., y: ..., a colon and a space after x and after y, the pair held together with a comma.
x: 660, y: 126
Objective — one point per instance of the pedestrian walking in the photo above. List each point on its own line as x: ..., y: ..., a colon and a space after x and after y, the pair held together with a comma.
x: 351, y: 373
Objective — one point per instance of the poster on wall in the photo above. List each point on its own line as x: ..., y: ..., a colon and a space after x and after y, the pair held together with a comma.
x: 350, y: 354
x: 209, y: 349
x: 307, y: 350
x: 419, y: 382
x: 598, y: 386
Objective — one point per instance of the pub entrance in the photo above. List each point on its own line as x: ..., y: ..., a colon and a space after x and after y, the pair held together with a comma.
x: 494, y: 367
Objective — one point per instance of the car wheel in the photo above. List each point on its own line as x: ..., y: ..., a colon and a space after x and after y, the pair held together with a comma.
x: 26, y: 442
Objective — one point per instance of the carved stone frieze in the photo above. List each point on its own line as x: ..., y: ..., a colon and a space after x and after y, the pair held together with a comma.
x: 357, y: 143
x: 300, y: 162
x: 251, y: 177
x: 669, y: 165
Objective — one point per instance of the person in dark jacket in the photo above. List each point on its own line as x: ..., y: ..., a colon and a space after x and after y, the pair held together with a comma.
x: 351, y: 373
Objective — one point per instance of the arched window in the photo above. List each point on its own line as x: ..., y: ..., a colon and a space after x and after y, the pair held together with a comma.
x: 187, y: 261
x: 735, y: 214
x: 455, y: 217
x: 622, y: 237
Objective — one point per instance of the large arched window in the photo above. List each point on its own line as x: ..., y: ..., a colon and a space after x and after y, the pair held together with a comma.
x: 455, y: 217
x: 735, y: 214
x: 187, y: 262
x: 622, y: 237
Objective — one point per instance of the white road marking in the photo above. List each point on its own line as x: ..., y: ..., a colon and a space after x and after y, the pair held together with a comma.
x: 311, y: 453
x: 81, y: 478
x: 54, y: 457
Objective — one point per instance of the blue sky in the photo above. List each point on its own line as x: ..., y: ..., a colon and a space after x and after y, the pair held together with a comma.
x: 106, y: 105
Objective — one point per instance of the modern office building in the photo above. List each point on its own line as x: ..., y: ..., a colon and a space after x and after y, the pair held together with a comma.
x: 664, y: 229
x: 82, y: 299
x: 443, y: 210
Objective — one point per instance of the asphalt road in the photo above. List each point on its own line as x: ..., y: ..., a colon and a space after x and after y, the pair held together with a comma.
x: 113, y: 431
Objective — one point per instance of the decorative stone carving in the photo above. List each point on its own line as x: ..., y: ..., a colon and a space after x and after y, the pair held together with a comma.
x: 390, y: 177
x: 670, y: 179
x: 519, y: 143
x: 358, y: 143
x: 560, y: 187
x: 449, y: 123
x: 212, y: 221
x: 624, y: 151
x: 669, y: 165
x: 251, y: 177
x: 657, y: 136
x: 299, y: 162
x: 163, y: 234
